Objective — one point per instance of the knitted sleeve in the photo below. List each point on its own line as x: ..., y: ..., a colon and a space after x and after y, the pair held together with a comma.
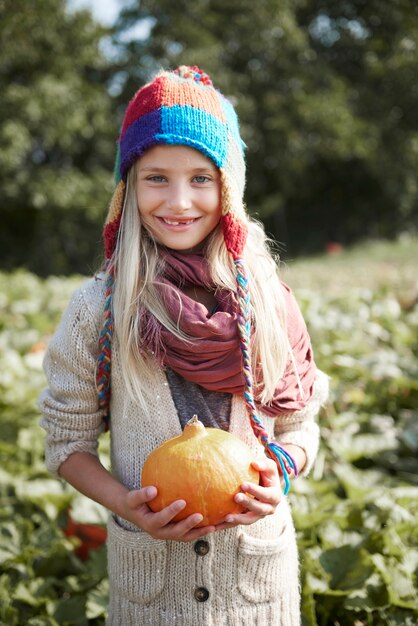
x: 71, y: 415
x: 300, y: 428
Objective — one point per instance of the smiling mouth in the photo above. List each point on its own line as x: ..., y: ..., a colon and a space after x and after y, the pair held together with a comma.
x: 171, y: 222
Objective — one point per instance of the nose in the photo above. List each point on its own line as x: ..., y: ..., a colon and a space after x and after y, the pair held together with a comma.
x: 179, y: 199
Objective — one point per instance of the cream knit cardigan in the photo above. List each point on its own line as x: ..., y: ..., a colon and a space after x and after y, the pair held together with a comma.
x: 248, y: 575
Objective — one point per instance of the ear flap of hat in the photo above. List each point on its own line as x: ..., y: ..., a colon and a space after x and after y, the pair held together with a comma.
x: 114, y: 215
x: 234, y: 223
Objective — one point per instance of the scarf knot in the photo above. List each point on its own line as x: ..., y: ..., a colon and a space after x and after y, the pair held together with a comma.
x: 210, y: 353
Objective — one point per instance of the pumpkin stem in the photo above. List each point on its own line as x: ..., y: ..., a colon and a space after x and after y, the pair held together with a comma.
x: 194, y: 428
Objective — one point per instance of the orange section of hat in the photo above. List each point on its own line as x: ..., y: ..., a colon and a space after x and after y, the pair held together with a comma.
x: 188, y: 93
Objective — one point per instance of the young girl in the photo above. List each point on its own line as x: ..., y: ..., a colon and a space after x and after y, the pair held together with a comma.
x: 187, y: 317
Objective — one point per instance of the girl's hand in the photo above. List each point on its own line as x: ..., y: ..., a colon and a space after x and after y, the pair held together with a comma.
x: 266, y: 496
x: 160, y: 525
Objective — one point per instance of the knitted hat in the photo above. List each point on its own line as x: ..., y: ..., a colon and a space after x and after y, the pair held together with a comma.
x: 184, y: 108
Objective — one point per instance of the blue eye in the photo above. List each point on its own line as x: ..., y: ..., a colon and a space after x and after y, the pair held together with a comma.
x: 201, y: 179
x: 156, y: 179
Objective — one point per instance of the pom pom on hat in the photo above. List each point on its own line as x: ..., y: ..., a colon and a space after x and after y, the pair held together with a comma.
x: 198, y: 75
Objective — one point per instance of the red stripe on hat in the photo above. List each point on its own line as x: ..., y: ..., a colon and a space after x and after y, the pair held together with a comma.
x: 146, y: 99
x: 110, y: 233
x: 235, y: 235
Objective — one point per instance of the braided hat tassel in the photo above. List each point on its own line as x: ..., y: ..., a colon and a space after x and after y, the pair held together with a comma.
x: 104, y: 360
x: 283, y: 459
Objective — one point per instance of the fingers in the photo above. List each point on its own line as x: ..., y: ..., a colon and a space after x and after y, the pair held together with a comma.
x: 262, y: 498
x: 258, y: 501
x: 165, y: 516
x: 240, y: 519
x: 255, y: 510
x: 137, y: 497
x: 253, y: 495
x: 269, y: 474
x: 185, y: 531
x: 263, y: 503
x: 160, y: 525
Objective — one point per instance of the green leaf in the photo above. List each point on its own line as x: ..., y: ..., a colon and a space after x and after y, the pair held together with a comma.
x: 348, y: 566
x: 98, y: 600
x: 308, y: 608
x: 71, y: 612
x: 399, y: 581
x: 370, y: 596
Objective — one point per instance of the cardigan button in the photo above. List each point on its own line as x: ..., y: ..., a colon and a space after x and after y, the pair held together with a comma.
x: 201, y: 547
x: 201, y: 594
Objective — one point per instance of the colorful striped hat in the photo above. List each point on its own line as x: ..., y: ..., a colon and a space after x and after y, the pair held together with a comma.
x: 184, y: 108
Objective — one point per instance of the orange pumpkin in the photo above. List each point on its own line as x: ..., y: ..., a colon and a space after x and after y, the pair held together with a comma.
x: 203, y: 466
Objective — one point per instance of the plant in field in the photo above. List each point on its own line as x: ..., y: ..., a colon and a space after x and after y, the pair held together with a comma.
x: 356, y: 515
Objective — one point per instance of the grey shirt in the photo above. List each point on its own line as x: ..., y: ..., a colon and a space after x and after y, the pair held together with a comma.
x: 211, y: 407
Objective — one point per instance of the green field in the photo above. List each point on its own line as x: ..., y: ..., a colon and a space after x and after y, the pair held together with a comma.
x: 356, y: 515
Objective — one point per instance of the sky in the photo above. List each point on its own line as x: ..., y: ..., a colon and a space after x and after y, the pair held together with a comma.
x: 104, y: 11
x: 107, y: 11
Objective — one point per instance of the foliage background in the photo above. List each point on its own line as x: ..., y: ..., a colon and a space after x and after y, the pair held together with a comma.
x: 327, y: 98
x: 356, y: 515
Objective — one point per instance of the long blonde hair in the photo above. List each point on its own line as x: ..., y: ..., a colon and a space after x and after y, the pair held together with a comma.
x: 137, y: 265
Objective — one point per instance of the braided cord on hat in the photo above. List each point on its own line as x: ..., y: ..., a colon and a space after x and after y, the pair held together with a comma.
x: 104, y: 360
x: 283, y: 459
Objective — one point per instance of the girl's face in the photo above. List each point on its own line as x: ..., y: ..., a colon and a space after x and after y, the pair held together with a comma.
x: 178, y: 193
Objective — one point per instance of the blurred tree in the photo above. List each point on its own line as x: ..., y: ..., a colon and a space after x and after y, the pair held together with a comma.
x: 56, y: 136
x: 326, y: 92
x: 372, y: 47
x: 327, y: 99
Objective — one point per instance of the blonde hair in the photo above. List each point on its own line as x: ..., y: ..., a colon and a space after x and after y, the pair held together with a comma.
x: 137, y: 265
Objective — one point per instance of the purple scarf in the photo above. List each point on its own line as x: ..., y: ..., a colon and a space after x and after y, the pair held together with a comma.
x: 213, y: 360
